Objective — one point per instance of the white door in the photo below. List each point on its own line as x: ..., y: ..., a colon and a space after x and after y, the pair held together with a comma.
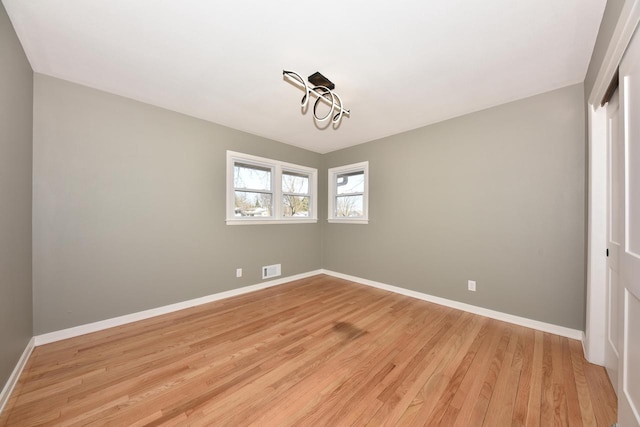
x: 615, y: 174
x: 629, y: 255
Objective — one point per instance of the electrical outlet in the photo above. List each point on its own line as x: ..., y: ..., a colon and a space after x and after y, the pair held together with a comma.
x: 471, y: 285
x: 238, y: 272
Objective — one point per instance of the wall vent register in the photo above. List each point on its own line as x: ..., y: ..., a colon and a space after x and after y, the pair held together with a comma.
x: 270, y: 271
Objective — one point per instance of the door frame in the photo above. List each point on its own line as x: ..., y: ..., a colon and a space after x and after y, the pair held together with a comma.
x: 594, y: 339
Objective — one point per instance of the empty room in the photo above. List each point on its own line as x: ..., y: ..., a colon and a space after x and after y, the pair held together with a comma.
x: 322, y: 214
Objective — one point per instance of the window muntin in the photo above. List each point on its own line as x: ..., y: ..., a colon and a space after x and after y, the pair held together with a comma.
x: 348, y: 198
x: 261, y: 190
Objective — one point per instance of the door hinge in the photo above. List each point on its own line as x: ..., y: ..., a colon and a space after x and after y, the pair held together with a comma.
x: 607, y: 251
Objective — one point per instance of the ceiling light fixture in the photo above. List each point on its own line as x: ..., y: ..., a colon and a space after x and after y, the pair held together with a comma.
x: 322, y: 89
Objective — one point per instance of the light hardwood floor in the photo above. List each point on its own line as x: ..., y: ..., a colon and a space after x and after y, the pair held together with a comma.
x: 318, y: 351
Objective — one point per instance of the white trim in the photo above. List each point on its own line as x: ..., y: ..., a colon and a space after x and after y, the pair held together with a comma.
x: 594, y: 343
x: 505, y: 317
x: 597, y: 237
x: 332, y: 191
x: 270, y: 221
x: 13, y: 378
x: 348, y: 221
x: 626, y: 25
x: 134, y: 317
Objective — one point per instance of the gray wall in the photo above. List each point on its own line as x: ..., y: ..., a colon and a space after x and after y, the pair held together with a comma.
x: 496, y: 196
x: 608, y: 24
x: 16, y: 107
x: 129, y: 208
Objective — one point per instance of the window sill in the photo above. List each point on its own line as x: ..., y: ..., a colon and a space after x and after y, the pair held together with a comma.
x: 271, y: 221
x: 347, y: 221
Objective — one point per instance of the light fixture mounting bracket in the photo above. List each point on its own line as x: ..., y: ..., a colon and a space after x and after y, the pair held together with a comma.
x: 318, y: 79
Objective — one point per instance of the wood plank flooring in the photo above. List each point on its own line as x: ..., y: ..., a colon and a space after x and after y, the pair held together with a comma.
x: 318, y: 351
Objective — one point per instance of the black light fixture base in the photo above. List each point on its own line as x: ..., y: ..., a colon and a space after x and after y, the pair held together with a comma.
x: 318, y: 79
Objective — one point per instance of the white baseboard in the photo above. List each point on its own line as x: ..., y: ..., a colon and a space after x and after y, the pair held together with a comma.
x: 134, y: 317
x: 129, y: 318
x: 584, y: 348
x: 13, y: 378
x: 505, y: 317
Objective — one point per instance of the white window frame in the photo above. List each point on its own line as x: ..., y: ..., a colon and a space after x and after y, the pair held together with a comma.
x: 277, y: 168
x: 333, y: 191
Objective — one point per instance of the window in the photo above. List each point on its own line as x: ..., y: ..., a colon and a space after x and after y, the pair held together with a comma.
x: 265, y: 191
x: 295, y: 194
x: 348, y: 193
x: 252, y: 190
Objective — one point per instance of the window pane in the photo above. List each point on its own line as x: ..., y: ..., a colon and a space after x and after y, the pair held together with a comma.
x: 349, y: 206
x: 252, y: 204
x: 350, y: 182
x: 295, y: 183
x: 295, y: 206
x: 251, y: 177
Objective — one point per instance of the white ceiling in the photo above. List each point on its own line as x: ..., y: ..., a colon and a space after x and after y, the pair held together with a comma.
x: 397, y: 66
